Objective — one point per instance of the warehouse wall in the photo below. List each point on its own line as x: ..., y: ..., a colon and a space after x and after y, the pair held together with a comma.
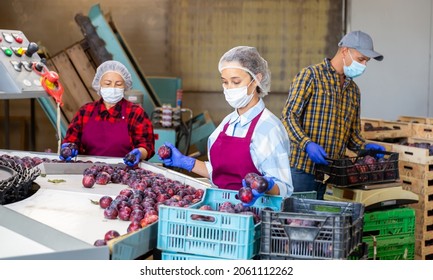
x: 402, y: 84
x: 186, y: 38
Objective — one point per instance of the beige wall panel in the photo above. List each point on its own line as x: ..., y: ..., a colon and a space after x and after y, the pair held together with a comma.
x: 290, y: 34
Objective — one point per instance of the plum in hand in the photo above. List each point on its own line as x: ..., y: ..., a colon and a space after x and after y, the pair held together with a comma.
x: 164, y: 152
x: 245, y: 195
x: 129, y: 158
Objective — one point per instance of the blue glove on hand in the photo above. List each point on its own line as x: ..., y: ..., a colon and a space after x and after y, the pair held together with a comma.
x: 377, y: 147
x: 316, y: 153
x: 177, y: 159
x: 137, y: 155
x: 63, y: 155
x: 257, y: 193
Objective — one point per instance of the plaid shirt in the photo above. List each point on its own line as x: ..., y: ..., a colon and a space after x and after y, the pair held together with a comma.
x: 139, y: 125
x: 318, y: 109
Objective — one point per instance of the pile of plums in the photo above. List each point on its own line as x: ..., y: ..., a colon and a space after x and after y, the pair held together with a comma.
x: 422, y: 145
x: 25, y: 162
x: 370, y: 127
x: 139, y: 203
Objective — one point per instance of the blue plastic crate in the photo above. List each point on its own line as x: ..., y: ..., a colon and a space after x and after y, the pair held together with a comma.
x: 227, y: 236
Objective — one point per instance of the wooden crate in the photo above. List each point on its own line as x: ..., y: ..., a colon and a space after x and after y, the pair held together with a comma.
x: 417, y: 185
x: 423, y: 216
x: 415, y: 170
x: 423, y: 251
x: 84, y: 66
x: 409, y: 153
x: 385, y: 129
x: 76, y: 72
x: 424, y: 131
x: 415, y: 119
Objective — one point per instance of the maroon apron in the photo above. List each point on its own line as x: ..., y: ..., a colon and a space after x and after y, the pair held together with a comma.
x: 231, y: 158
x: 103, y: 138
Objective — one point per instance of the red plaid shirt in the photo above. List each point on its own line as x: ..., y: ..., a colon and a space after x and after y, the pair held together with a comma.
x: 139, y: 125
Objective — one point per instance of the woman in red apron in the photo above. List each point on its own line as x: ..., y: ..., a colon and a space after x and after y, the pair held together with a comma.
x: 250, y: 139
x: 111, y: 126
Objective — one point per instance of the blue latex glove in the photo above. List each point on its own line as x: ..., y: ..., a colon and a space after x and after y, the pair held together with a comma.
x: 256, y: 194
x: 373, y: 146
x: 177, y: 159
x: 136, y: 152
x: 74, y: 152
x: 316, y: 153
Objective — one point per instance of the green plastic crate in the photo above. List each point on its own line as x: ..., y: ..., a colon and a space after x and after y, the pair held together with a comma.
x: 391, y: 247
x: 389, y: 222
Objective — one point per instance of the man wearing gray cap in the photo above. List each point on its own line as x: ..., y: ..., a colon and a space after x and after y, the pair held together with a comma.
x: 322, y: 111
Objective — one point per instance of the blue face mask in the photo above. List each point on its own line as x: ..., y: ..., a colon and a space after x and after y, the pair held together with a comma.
x: 355, y: 69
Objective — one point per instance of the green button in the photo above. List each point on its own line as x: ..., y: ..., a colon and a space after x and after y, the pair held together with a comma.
x: 8, y: 52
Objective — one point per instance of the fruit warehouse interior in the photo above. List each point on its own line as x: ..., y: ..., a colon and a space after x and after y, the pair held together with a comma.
x: 172, y: 49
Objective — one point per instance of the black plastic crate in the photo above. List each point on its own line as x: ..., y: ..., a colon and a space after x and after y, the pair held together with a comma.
x: 311, y: 229
x: 363, y: 169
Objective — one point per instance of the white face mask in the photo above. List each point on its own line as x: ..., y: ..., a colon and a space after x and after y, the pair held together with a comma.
x: 238, y: 97
x: 112, y: 95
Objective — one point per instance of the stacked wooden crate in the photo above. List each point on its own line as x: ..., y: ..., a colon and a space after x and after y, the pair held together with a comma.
x: 416, y: 174
x: 380, y: 129
x: 76, y: 71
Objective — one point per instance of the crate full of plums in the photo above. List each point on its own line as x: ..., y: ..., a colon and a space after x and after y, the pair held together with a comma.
x: 368, y: 167
x: 219, y: 226
x: 311, y: 229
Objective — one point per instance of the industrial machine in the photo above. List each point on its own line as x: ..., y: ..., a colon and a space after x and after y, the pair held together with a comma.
x: 19, y: 78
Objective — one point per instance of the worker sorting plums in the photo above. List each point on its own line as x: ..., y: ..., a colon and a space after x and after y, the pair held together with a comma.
x: 249, y: 140
x: 111, y: 126
x: 322, y: 111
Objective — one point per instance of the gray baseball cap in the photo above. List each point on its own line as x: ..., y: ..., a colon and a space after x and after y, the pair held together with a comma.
x: 361, y: 42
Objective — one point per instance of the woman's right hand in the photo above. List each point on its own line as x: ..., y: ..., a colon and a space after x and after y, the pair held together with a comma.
x: 177, y: 159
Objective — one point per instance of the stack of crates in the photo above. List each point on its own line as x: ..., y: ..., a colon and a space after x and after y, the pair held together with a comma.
x: 218, y: 235
x: 308, y: 229
x: 416, y: 174
x: 390, y: 234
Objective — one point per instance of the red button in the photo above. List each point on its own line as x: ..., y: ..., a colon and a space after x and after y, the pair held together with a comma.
x: 17, y: 38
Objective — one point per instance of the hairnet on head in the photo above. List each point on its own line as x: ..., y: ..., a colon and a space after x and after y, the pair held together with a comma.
x: 111, y: 66
x: 249, y: 60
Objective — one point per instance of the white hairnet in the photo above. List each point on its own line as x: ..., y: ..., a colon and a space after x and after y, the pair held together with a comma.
x: 249, y: 60
x: 111, y: 66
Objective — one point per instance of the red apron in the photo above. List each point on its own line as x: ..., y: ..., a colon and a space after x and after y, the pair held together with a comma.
x: 231, y: 158
x: 103, y: 138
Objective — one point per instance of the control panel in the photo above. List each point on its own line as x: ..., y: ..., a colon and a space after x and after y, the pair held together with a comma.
x: 18, y: 60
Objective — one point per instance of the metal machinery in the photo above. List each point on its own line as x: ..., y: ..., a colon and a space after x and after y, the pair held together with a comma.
x: 22, y: 76
x: 159, y: 96
x: 18, y: 78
